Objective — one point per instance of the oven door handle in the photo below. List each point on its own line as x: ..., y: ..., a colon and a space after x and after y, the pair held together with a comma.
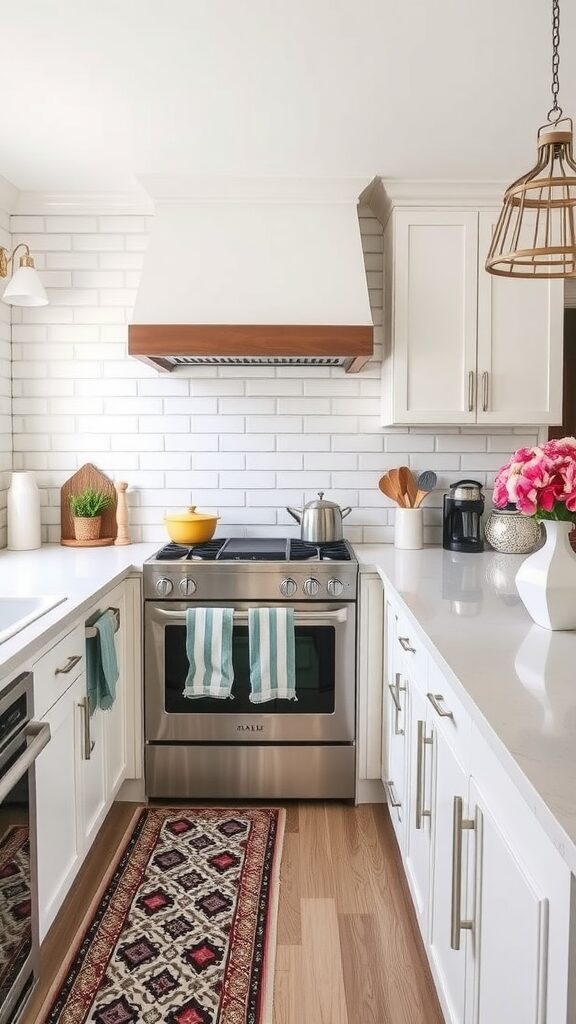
x: 310, y: 618
x: 39, y: 733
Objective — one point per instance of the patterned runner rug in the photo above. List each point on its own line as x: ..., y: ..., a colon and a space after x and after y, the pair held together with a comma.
x: 183, y: 928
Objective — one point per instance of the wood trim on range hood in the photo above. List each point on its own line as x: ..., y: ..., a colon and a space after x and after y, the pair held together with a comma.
x: 160, y: 345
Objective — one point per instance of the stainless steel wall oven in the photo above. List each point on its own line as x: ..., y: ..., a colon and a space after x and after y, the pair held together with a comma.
x: 21, y: 740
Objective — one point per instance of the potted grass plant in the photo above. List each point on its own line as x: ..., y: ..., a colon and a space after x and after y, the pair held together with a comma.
x: 87, y: 509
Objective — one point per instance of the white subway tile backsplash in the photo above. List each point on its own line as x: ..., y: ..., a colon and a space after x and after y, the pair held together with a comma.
x: 243, y: 441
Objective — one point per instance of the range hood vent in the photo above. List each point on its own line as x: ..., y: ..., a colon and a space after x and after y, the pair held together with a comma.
x: 253, y: 283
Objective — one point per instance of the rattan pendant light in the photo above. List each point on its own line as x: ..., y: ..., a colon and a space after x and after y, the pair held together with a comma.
x: 536, y: 232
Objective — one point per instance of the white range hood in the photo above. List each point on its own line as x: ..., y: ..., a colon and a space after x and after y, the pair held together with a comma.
x: 243, y: 280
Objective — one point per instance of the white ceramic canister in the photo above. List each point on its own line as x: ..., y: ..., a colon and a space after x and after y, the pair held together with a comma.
x: 23, y: 501
x: 409, y: 528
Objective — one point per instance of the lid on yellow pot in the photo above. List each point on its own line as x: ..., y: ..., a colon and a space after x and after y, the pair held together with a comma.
x: 189, y: 515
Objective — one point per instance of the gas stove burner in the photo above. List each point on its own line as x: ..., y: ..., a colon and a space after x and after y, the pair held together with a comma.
x: 336, y: 551
x: 171, y: 552
x: 207, y: 552
x: 301, y: 550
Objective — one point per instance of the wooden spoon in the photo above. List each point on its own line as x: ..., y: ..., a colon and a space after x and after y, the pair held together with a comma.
x: 408, y: 486
x: 386, y: 486
x: 426, y: 482
x: 394, y: 477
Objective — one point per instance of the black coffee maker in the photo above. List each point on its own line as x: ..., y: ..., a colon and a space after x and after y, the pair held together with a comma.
x: 463, y: 508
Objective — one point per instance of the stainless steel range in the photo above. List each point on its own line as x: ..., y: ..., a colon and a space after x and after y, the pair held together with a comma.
x: 233, y: 748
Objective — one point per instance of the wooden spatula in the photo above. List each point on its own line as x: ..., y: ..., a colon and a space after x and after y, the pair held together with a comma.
x: 407, y: 485
x: 394, y: 477
x: 387, y: 487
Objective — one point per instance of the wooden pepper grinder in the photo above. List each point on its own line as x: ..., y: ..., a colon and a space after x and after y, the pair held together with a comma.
x: 122, y: 536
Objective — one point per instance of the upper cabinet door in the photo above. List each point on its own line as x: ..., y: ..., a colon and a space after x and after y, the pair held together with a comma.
x: 435, y: 255
x: 520, y: 342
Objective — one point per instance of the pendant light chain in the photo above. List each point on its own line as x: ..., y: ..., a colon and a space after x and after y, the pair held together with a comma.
x: 555, y: 112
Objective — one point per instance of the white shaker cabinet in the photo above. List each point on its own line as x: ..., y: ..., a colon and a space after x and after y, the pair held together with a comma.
x: 431, y: 265
x: 492, y: 895
x: 58, y: 838
x: 462, y: 346
x: 520, y: 345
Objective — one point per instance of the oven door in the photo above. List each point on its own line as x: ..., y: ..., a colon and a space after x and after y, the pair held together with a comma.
x: 325, y: 680
x: 18, y: 910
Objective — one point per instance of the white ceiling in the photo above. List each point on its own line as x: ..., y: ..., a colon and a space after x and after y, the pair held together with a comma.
x: 95, y: 94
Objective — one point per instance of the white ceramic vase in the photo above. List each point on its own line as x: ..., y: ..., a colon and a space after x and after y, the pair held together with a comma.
x: 23, y: 501
x: 408, y: 528
x: 546, y: 580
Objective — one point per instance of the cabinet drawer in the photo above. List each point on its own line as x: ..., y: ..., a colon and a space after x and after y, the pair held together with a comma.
x: 410, y: 649
x: 57, y: 669
x: 448, y: 714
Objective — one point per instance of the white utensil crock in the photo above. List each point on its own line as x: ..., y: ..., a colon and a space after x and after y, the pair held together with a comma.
x: 546, y: 580
x: 23, y: 501
x: 408, y: 531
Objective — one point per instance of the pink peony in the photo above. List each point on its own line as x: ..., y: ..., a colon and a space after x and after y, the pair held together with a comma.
x: 540, y: 481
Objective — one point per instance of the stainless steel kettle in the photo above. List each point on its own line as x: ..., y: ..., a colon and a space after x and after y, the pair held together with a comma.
x: 320, y: 521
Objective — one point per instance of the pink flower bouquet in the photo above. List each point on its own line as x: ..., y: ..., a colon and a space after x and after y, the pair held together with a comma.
x: 540, y: 481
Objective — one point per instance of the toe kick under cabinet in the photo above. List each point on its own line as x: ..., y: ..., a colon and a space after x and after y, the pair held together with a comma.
x: 491, y: 893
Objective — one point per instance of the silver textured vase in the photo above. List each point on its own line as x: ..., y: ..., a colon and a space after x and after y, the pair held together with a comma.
x: 511, y: 533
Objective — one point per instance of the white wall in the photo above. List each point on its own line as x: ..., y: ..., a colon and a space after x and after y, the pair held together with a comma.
x: 246, y: 442
x: 5, y: 381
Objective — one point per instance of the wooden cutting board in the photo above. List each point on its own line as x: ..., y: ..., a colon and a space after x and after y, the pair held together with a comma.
x: 87, y: 476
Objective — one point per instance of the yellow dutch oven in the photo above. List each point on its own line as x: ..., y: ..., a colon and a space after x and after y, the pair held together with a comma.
x: 190, y: 526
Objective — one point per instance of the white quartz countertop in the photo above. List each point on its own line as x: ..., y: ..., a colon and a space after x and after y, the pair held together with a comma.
x: 80, y: 575
x: 517, y: 680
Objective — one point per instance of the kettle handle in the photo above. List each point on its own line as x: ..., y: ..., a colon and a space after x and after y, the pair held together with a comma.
x: 296, y: 513
x: 475, y: 482
x: 345, y: 511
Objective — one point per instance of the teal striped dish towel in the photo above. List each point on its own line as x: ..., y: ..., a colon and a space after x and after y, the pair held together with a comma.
x: 209, y: 650
x: 272, y: 661
x: 102, y: 663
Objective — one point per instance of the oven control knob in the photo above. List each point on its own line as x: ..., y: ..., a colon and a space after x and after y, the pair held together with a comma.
x: 334, y: 587
x: 288, y: 587
x: 311, y: 587
x: 164, y: 586
x: 187, y: 586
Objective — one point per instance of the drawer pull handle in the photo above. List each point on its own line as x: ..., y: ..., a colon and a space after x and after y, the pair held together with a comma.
x: 459, y: 823
x: 88, y: 743
x: 435, y: 699
x: 423, y: 739
x: 72, y: 660
x: 389, y: 787
x: 405, y: 644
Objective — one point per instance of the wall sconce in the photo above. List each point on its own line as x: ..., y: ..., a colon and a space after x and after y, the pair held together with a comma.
x: 25, y: 287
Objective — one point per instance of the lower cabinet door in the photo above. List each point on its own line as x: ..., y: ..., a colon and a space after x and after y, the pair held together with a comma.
x: 57, y: 836
x: 419, y: 806
x: 507, y: 978
x: 448, y: 902
x: 91, y: 768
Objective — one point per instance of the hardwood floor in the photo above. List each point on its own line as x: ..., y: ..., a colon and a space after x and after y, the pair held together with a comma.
x: 348, y: 951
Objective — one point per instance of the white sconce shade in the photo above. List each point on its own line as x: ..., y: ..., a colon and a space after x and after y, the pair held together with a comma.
x: 25, y: 289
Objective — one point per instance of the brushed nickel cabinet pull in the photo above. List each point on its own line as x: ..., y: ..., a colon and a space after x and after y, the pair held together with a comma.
x: 389, y: 787
x: 435, y: 699
x: 72, y: 660
x: 485, y: 391
x: 421, y: 773
x: 459, y: 823
x: 395, y: 691
x: 88, y: 743
x: 405, y: 644
x: 470, y: 390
